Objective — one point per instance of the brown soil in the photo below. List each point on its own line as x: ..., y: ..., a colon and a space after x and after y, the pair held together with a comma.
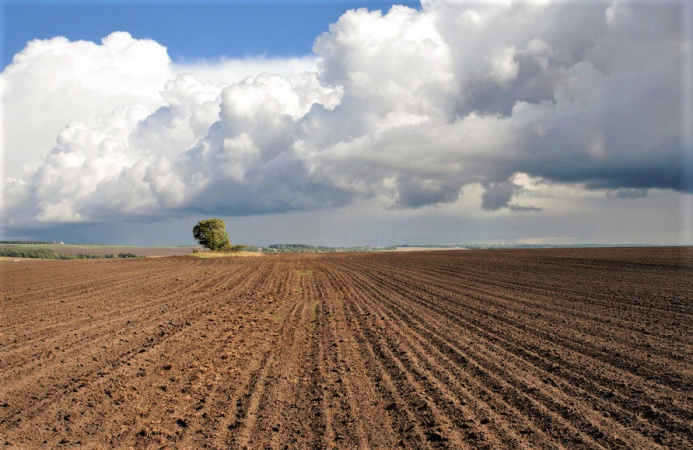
x: 580, y: 348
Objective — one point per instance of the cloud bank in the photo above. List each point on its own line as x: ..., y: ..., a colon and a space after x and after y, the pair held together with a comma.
x: 404, y: 108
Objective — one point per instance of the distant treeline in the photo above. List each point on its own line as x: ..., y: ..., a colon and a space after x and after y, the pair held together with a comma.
x: 296, y: 248
x: 44, y: 253
x: 531, y: 246
x: 302, y: 248
x: 27, y: 242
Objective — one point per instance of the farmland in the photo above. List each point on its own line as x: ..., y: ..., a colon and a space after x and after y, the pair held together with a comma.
x: 581, y: 348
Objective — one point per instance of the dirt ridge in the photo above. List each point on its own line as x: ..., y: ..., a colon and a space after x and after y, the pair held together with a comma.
x: 577, y: 348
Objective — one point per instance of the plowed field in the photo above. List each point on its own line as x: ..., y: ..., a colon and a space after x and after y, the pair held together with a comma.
x: 580, y: 348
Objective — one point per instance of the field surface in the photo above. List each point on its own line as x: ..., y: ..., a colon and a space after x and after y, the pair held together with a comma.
x: 579, y: 348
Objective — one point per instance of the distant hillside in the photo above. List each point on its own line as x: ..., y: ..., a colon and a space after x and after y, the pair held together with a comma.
x: 27, y: 242
x: 49, y: 250
x: 302, y: 248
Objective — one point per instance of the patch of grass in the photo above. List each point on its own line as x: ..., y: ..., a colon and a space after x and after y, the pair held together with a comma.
x: 225, y: 254
x: 305, y: 272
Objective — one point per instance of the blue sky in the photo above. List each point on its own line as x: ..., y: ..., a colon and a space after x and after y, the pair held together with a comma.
x: 189, y: 29
x: 314, y: 123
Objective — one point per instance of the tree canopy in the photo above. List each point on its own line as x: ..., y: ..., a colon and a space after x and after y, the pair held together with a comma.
x: 211, y: 233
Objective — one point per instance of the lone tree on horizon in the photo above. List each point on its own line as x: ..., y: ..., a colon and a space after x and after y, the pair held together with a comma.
x: 211, y: 233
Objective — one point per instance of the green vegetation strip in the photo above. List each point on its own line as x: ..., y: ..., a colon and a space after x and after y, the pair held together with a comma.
x: 43, y: 253
x: 305, y: 272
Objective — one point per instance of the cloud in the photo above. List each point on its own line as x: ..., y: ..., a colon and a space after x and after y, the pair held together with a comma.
x: 53, y: 82
x: 627, y: 193
x: 404, y: 108
x: 225, y: 71
x: 497, y: 195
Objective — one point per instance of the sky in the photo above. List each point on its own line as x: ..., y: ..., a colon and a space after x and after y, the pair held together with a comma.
x: 347, y: 123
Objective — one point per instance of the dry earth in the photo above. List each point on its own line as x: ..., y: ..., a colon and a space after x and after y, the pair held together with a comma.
x: 580, y: 348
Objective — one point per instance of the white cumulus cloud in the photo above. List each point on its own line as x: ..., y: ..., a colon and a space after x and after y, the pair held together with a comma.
x: 403, y: 107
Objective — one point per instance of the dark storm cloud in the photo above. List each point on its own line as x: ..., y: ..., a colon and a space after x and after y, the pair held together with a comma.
x: 627, y: 193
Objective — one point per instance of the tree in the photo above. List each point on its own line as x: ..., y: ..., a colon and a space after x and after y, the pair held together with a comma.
x: 211, y: 233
